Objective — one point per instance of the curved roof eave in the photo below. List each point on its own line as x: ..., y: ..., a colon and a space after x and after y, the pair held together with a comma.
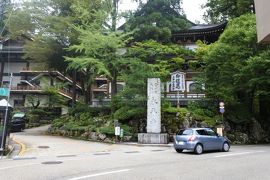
x: 203, y: 28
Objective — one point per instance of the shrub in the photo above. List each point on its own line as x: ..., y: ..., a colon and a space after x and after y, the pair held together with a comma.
x: 109, y: 130
x: 173, y: 117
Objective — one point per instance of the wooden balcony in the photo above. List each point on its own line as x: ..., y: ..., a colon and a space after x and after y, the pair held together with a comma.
x: 26, y: 88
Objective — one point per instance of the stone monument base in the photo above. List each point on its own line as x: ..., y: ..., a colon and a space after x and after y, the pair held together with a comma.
x: 153, y: 138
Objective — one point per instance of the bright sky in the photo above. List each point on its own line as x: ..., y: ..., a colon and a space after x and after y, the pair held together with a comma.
x: 192, y: 8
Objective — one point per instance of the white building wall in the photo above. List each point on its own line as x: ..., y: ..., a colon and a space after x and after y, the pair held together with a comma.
x: 14, y: 67
x: 43, y: 101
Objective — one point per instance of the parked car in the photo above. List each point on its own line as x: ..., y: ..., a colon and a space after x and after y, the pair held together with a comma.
x: 18, y: 122
x: 200, y: 140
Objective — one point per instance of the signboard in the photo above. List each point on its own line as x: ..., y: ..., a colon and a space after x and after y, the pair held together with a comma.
x: 178, y: 81
x: 221, y: 107
x: 122, y: 133
x: 117, y: 131
x: 220, y: 131
x: 221, y: 104
x: 221, y: 110
x: 4, y: 91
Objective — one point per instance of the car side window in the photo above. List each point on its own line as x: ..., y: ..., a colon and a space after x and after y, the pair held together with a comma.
x: 202, y: 132
x: 210, y: 132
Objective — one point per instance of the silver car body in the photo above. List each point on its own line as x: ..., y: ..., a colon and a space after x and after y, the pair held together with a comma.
x: 191, y: 137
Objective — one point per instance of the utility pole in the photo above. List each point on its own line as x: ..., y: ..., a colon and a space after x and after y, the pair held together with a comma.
x: 4, y: 133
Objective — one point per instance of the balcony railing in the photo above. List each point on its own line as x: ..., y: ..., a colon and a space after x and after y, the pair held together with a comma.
x: 183, y: 95
x: 26, y: 88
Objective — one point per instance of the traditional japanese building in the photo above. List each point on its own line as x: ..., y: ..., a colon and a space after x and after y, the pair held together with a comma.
x: 188, y: 38
x: 32, y: 79
x: 28, y: 77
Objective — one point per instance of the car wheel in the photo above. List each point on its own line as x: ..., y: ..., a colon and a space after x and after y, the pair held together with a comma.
x: 198, y: 149
x: 179, y: 150
x: 225, y: 147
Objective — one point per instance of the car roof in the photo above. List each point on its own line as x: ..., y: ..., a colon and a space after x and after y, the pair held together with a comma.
x: 196, y: 128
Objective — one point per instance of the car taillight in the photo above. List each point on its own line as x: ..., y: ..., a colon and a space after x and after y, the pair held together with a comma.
x: 192, y: 138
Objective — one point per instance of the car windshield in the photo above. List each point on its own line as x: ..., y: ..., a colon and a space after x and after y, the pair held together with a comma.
x: 19, y: 115
x: 185, y: 132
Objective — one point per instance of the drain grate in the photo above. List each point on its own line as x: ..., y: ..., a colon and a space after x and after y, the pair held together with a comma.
x: 43, y: 147
x: 98, y: 154
x: 158, y: 150
x: 52, y: 162
x: 132, y: 152
x: 24, y: 158
x: 66, y: 156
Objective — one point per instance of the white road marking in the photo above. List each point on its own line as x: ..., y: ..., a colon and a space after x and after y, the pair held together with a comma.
x: 11, y: 167
x: 236, y: 154
x: 100, y: 174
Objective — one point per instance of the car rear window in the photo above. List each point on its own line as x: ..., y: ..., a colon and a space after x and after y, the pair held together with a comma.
x: 185, y: 132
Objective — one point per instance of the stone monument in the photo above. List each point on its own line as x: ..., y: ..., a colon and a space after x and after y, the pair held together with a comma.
x: 153, y: 135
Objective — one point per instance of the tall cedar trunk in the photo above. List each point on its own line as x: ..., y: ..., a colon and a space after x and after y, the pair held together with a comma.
x: 74, y: 77
x: 51, y: 81
x: 113, y: 90
x: 264, y: 104
x: 114, y: 83
x: 251, y: 101
x: 83, y: 89
x: 114, y: 14
x: 88, y: 95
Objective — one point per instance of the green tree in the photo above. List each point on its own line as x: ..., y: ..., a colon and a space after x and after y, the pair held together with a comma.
x: 164, y: 58
x: 157, y: 20
x: 3, y: 9
x: 51, y: 27
x: 220, y: 10
x: 233, y: 64
x: 96, y: 51
x: 254, y: 79
x: 54, y: 98
x: 132, y: 100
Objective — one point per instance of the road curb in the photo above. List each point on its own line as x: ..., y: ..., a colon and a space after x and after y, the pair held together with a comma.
x: 23, y: 146
x: 11, y: 149
x: 146, y: 145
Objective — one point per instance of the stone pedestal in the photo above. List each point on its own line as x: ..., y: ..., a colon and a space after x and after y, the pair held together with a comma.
x: 153, y: 138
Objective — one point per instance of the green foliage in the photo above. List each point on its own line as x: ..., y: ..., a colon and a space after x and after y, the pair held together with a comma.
x: 225, y: 58
x: 84, y: 122
x: 236, y: 71
x: 38, y: 116
x: 109, y: 130
x: 157, y: 20
x: 163, y: 58
x: 172, y: 117
x: 220, y: 10
x: 54, y: 98
x: 92, y: 111
x: 131, y: 102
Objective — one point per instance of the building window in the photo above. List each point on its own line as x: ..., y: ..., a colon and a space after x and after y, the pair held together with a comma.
x: 18, y: 103
x: 195, y: 88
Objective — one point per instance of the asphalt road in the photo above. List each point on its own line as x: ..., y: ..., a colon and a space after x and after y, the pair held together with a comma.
x: 115, y: 162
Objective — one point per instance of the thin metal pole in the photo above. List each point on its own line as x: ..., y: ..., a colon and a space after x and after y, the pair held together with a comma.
x: 5, y: 120
x: 178, y: 101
